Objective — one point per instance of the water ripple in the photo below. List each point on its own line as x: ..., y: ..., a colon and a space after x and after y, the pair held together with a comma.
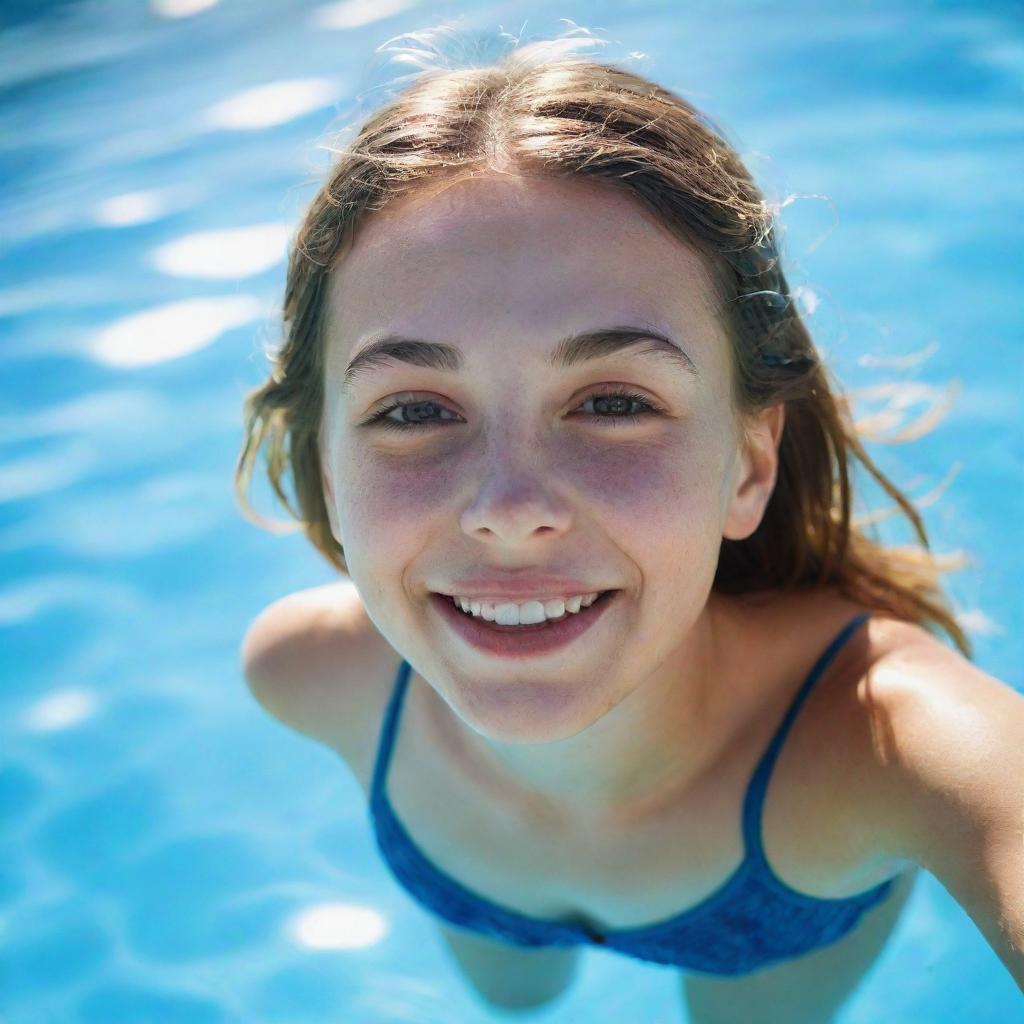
x: 275, y: 103
x: 229, y: 253
x: 173, y: 330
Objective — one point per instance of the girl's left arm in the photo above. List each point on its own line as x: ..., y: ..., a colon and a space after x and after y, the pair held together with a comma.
x: 952, y: 785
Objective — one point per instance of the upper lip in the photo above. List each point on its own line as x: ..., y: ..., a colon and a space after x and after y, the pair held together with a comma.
x: 523, y: 588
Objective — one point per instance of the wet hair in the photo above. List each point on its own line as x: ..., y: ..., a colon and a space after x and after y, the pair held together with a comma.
x: 538, y: 112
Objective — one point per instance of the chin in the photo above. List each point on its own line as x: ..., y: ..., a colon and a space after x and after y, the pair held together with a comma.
x: 524, y: 712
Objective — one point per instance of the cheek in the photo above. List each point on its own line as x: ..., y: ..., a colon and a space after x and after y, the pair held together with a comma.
x: 671, y: 485
x: 667, y: 517
x: 387, y: 500
x: 659, y: 505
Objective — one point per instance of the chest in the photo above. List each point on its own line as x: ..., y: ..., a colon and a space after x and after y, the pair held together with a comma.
x: 543, y: 867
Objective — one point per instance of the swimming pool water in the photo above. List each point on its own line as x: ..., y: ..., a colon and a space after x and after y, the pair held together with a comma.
x: 170, y: 854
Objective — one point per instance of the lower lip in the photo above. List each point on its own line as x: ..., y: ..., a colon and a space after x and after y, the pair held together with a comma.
x: 522, y: 641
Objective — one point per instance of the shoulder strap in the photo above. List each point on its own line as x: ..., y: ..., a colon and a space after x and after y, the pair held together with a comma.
x: 754, y: 800
x: 387, y: 733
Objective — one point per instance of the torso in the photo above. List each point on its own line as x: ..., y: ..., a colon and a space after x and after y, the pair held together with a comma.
x: 815, y: 825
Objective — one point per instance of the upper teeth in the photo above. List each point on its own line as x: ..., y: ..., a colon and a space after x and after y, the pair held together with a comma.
x: 508, y: 613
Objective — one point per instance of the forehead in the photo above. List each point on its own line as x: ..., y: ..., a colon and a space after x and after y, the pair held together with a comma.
x: 526, y: 256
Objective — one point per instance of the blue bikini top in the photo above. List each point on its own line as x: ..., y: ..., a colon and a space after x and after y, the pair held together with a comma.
x: 751, y: 920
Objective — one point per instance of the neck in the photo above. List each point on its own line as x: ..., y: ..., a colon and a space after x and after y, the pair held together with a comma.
x: 649, y: 748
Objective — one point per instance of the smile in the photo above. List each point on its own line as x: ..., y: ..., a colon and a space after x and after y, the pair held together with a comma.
x: 519, y: 642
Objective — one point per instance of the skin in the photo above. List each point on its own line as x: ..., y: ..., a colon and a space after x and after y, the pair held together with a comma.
x: 513, y: 472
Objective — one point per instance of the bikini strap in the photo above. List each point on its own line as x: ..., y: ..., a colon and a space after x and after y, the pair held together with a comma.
x: 389, y: 726
x: 753, y: 803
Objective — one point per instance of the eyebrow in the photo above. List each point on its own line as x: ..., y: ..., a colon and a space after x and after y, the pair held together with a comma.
x: 570, y: 351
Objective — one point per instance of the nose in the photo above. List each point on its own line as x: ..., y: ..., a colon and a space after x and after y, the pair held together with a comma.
x: 515, y: 503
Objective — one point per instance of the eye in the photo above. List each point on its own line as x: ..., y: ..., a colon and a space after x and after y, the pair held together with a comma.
x: 616, y: 401
x: 620, y: 400
x: 418, y: 410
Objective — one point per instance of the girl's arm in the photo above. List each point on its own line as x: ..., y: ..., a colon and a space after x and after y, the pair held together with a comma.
x: 951, y: 785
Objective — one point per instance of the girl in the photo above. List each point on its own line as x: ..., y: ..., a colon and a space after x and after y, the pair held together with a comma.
x: 617, y: 668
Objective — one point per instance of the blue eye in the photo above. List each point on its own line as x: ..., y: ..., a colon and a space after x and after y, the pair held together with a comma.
x: 616, y: 398
x: 418, y: 409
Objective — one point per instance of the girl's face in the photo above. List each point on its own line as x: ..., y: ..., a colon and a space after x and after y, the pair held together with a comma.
x: 516, y: 461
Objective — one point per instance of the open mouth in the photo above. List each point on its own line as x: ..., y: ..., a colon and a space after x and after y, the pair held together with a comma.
x: 536, y: 640
x: 604, y: 595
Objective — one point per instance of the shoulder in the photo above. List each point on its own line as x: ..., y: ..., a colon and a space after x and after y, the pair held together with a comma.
x: 315, y: 661
x: 908, y: 707
x: 947, y: 779
x: 948, y: 738
x: 897, y: 719
x: 941, y: 723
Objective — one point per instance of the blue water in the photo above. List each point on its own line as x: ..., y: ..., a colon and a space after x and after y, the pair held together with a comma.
x: 172, y: 855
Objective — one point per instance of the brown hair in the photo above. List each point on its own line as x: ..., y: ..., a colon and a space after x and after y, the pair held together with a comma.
x: 563, y: 116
